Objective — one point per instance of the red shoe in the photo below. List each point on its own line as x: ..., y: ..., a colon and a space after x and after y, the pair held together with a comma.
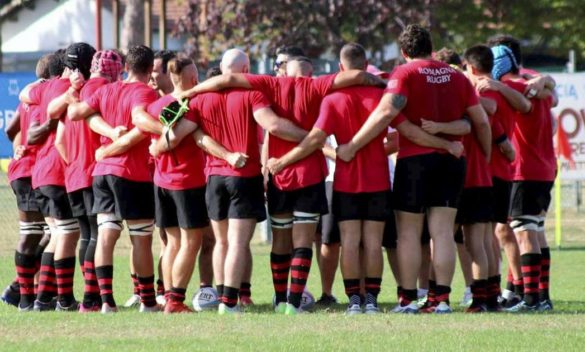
x: 480, y: 308
x: 94, y: 308
x: 246, y: 301
x: 428, y: 307
x: 173, y: 307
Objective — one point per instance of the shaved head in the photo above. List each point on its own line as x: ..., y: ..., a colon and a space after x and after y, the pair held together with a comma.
x: 299, y: 66
x: 235, y: 61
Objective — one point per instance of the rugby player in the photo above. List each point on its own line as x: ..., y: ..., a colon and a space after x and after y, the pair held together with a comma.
x: 426, y: 179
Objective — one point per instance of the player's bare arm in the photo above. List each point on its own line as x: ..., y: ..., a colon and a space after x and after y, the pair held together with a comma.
x: 97, y: 124
x: 171, y: 138
x: 58, y: 106
x: 329, y: 151
x: 121, y: 145
x: 79, y: 111
x: 212, y: 147
x: 60, y: 142
x: 482, y: 129
x: 24, y: 95
x: 214, y: 84
x: 389, y: 107
x: 313, y: 141
x: 455, y: 128
x: 489, y: 105
x: 356, y: 78
x: 13, y: 127
x: 516, y: 99
x: 37, y: 132
x: 422, y: 138
x: 144, y: 121
x: 278, y: 126
x: 507, y: 149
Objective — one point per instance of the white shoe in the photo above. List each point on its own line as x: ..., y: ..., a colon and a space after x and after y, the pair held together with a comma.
x: 354, y: 309
x: 222, y: 309
x: 161, y: 300
x: 107, y: 309
x: 145, y: 309
x: 133, y: 301
x: 371, y: 309
x: 411, y: 308
x: 443, y: 308
x: 467, y: 298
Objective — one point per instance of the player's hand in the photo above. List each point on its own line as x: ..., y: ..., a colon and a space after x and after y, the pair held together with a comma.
x: 77, y: 80
x: 237, y: 160
x: 533, y: 87
x: 152, y: 148
x: 118, y: 132
x: 19, y: 152
x: 274, y: 166
x: 431, y: 127
x: 456, y: 149
x: 484, y: 84
x: 345, y: 152
x: 99, y: 154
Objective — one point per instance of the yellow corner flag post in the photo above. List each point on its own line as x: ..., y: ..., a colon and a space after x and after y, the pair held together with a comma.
x: 558, y: 215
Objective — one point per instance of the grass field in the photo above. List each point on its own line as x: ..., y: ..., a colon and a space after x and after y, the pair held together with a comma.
x: 260, y: 329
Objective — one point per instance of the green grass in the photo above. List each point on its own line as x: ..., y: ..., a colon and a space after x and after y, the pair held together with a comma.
x: 260, y: 329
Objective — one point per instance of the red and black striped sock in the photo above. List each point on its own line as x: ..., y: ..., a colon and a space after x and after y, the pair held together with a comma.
x: 160, y: 287
x: 432, y: 294
x: 352, y: 287
x: 442, y: 294
x: 177, y: 294
x: 479, y: 292
x: 147, y: 294
x: 230, y: 296
x: 299, y: 273
x: 65, y: 271
x: 399, y: 293
x: 530, y: 277
x: 47, y: 282
x: 104, y: 276
x: 408, y: 296
x: 26, y: 270
x: 544, y: 274
x: 136, y: 289
x: 280, y: 267
x: 372, y: 289
x: 219, y: 289
x: 519, y: 288
x: 245, y: 289
x: 91, y: 291
x: 493, y: 290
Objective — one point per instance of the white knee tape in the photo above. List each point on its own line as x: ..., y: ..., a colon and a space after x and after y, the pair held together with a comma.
x: 109, y: 221
x: 29, y: 228
x: 524, y: 223
x: 281, y: 223
x: 46, y: 229
x: 68, y: 226
x: 141, y: 229
x: 300, y: 217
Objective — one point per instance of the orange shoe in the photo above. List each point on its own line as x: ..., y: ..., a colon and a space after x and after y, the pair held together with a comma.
x: 173, y: 307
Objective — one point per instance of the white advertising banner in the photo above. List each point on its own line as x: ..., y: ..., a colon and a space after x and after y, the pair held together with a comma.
x: 571, y: 116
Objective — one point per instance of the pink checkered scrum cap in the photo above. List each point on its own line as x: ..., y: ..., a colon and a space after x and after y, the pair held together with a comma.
x: 108, y: 63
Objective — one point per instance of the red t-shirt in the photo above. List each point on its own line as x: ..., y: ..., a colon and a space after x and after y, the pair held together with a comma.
x: 81, y: 143
x: 227, y: 117
x: 182, y: 168
x: 115, y: 102
x: 342, y: 114
x: 23, y: 167
x: 297, y: 99
x: 49, y: 168
x: 533, y: 140
x: 436, y: 92
x: 505, y: 117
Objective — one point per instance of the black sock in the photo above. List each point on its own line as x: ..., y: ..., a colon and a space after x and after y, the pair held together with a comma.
x: 177, y: 294
x: 230, y: 296
x: 442, y: 294
x: 544, y: 274
x: 84, y: 238
x: 26, y: 269
x: 219, y: 289
x: 245, y: 289
x: 147, y: 294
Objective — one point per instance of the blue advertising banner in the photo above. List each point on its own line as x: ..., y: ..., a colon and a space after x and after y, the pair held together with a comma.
x: 10, y: 85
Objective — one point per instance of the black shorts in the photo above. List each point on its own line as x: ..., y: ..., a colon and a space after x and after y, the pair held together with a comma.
x: 81, y: 202
x: 475, y: 206
x: 310, y: 199
x: 426, y: 181
x: 390, y: 239
x: 373, y: 206
x: 530, y: 197
x: 26, y: 198
x: 328, y: 227
x: 502, y: 191
x: 235, y: 198
x: 129, y: 200
x: 53, y: 202
x: 183, y: 208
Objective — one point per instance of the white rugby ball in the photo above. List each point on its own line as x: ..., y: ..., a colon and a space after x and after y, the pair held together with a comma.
x: 307, y: 300
x: 205, y: 299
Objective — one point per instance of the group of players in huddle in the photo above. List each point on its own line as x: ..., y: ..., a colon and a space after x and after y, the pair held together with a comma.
x: 475, y: 162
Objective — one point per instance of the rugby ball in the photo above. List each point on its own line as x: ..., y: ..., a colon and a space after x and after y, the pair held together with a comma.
x: 307, y: 300
x: 205, y: 299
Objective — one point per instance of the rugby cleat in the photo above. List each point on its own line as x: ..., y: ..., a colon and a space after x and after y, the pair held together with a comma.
x: 173, y: 307
x: 133, y: 301
x: 545, y: 305
x: 280, y: 308
x: 411, y: 308
x: 443, y: 308
x: 326, y: 300
x: 93, y: 308
x: 523, y: 307
x: 107, y: 309
x: 73, y: 307
x: 39, y: 306
x: 246, y: 301
x: 371, y: 309
x: 292, y: 310
x: 225, y: 310
x: 152, y: 309
x: 9, y: 296
x: 353, y: 309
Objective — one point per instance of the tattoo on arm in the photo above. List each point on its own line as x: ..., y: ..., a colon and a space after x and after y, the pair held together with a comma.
x: 398, y: 102
x: 373, y: 80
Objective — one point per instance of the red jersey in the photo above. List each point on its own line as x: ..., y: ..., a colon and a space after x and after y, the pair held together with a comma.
x: 505, y: 116
x: 115, y: 102
x: 342, y: 114
x: 533, y: 140
x: 49, y: 168
x: 436, y: 92
x: 23, y: 167
x: 81, y: 143
x: 182, y: 168
x: 296, y: 99
x: 227, y: 117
